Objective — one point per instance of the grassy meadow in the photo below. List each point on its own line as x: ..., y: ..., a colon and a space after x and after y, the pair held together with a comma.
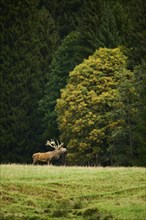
x: 63, y: 193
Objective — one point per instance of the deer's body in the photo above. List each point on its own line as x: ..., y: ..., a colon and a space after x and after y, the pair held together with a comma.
x: 49, y: 156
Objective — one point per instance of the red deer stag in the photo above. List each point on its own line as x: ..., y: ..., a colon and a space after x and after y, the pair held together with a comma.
x: 49, y: 155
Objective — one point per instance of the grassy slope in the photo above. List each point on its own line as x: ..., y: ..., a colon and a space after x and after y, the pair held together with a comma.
x: 48, y: 192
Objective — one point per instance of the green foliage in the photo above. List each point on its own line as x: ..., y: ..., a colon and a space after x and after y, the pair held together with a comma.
x: 114, y: 23
x: 25, y: 55
x: 123, y: 142
x: 108, y: 34
x: 65, y: 13
x: 91, y: 109
x: 140, y: 73
x: 70, y: 53
x: 41, y: 42
x: 103, y: 24
x: 45, y: 193
x: 136, y: 35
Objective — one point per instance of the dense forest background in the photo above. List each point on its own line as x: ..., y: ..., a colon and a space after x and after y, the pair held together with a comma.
x: 74, y: 71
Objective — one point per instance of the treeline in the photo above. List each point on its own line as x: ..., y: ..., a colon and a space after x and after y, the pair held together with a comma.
x: 75, y: 71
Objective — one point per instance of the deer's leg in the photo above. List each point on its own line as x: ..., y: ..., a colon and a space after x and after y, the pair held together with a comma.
x: 34, y: 161
x: 49, y: 162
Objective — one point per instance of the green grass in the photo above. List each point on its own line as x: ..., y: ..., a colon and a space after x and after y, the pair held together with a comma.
x: 48, y: 192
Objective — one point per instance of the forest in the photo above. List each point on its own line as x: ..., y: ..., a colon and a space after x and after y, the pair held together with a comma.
x: 74, y: 71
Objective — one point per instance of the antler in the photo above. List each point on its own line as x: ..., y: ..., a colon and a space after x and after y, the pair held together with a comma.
x: 54, y: 145
x: 60, y: 145
x: 51, y: 143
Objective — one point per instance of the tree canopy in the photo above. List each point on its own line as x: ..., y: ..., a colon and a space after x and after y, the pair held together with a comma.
x: 44, y: 42
x: 92, y: 113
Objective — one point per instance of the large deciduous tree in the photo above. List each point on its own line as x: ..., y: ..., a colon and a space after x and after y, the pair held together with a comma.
x: 92, y: 109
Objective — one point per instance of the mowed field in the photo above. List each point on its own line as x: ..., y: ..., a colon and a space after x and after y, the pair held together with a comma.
x: 90, y: 193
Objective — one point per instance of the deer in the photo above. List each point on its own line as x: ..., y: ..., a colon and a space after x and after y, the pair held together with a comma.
x: 49, y: 156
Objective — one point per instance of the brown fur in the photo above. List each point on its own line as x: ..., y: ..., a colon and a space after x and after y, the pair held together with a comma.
x: 48, y: 156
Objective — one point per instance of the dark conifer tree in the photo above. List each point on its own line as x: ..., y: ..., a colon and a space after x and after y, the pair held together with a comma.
x: 135, y: 36
x: 65, y: 13
x: 70, y: 53
x: 27, y: 46
x: 140, y: 131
